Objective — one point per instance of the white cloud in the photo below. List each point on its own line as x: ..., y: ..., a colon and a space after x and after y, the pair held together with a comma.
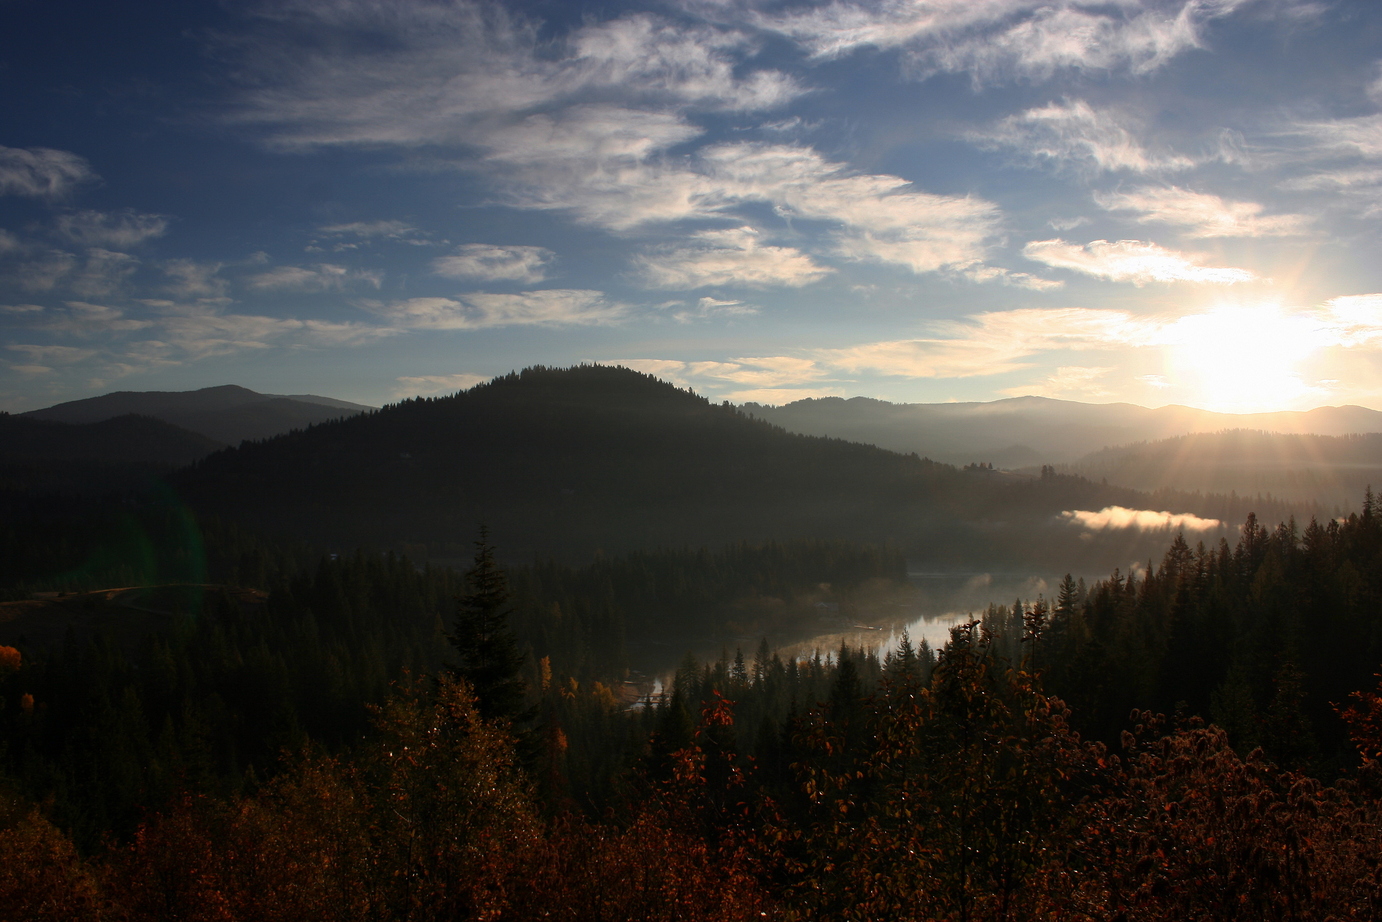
x: 101, y: 274
x: 591, y: 125
x: 41, y: 172
x: 990, y: 343
x: 188, y: 278
x: 481, y: 310
x: 1352, y: 320
x: 880, y: 218
x: 436, y: 73
x: 30, y: 371
x: 1141, y: 519
x: 1360, y: 187
x: 1361, y: 136
x: 1136, y: 261
x: 321, y: 277
x: 714, y: 309
x: 1065, y: 38
x: 21, y: 308
x: 85, y: 319
x: 198, y: 331
x: 731, y: 256
x: 353, y: 235
x: 600, y: 166
x: 367, y: 229
x: 416, y: 385
x: 698, y: 65
x: 1202, y: 214
x: 53, y: 354
x: 1073, y: 133
x: 487, y: 263
x: 119, y: 231
x: 978, y: 272
x: 98, y: 273
x: 1005, y: 39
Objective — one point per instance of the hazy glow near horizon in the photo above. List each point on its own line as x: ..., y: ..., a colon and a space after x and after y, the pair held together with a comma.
x: 1244, y: 358
x: 916, y: 201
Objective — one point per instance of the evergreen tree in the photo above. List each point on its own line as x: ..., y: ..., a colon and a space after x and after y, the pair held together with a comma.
x: 490, y: 658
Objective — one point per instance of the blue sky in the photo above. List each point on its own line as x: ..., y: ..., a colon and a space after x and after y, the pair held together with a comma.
x: 1153, y: 201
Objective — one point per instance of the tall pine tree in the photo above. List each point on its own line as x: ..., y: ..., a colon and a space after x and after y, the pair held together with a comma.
x: 491, y: 660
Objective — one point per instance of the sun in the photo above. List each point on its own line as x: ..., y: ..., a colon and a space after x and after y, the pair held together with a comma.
x: 1239, y: 358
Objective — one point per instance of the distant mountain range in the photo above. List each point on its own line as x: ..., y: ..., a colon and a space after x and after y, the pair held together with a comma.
x: 571, y: 462
x: 227, y: 414
x: 1031, y: 431
x: 1333, y: 471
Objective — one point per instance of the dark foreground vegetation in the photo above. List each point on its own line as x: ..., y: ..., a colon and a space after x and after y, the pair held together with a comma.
x: 366, y: 739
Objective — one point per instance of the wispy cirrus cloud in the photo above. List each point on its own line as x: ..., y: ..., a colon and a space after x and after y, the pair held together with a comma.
x: 730, y: 256
x: 1351, y: 320
x: 484, y: 262
x: 51, y: 354
x: 396, y: 230
x: 1135, y: 261
x: 990, y: 343
x: 596, y: 125
x: 85, y: 319
x: 353, y: 235
x: 484, y: 310
x: 321, y: 277
x: 42, y: 172
x: 996, y: 40
x: 188, y: 279
x: 1072, y: 133
x: 201, y: 330
x: 116, y: 231
x: 1202, y: 214
x: 1361, y: 136
x: 97, y: 273
x: 707, y: 308
x: 446, y: 69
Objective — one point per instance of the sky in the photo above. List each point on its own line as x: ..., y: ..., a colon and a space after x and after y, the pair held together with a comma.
x: 1151, y: 201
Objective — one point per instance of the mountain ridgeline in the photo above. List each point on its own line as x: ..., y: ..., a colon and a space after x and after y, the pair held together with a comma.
x: 227, y: 414
x: 1031, y: 431
x: 1328, y: 470
x: 570, y: 462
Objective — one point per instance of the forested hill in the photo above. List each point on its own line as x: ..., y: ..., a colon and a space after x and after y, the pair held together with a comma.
x: 44, y: 456
x: 568, y: 462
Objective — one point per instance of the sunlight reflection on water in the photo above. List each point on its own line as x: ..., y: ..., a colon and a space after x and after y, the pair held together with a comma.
x: 941, y: 601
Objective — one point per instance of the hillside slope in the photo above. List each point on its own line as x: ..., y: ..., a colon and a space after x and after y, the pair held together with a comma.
x: 570, y: 462
x: 42, y: 456
x: 1333, y: 471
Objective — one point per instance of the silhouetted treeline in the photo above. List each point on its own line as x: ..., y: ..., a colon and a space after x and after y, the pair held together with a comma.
x: 1263, y: 637
x: 195, y: 684
x: 965, y: 796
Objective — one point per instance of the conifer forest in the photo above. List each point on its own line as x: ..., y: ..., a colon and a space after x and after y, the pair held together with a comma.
x: 201, y: 720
